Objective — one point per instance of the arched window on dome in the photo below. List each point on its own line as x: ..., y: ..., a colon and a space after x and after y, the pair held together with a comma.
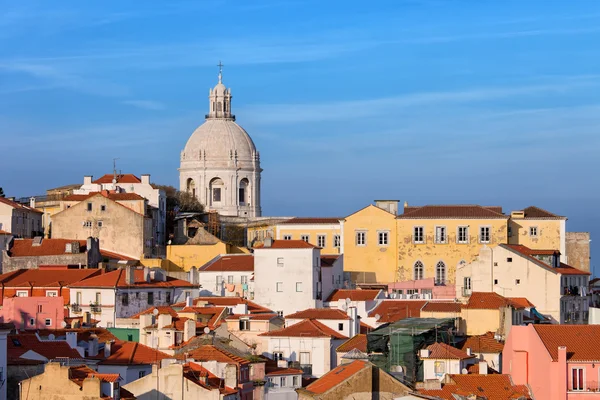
x: 419, y: 271
x: 191, y: 187
x: 440, y: 273
x: 217, y: 188
x: 244, y: 193
x: 219, y: 106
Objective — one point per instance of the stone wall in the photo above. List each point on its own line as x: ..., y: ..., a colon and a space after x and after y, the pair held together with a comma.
x: 578, y: 250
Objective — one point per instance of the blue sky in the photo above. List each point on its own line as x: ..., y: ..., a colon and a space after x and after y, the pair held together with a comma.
x: 426, y: 101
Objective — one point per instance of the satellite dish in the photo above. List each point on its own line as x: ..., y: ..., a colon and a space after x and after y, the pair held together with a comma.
x: 155, y: 311
x: 377, y: 317
x: 206, y: 330
x: 348, y: 301
x: 344, y: 306
x: 51, y: 337
x: 464, y: 371
x: 63, y: 324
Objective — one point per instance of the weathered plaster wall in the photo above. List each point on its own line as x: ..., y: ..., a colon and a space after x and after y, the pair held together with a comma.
x: 578, y: 250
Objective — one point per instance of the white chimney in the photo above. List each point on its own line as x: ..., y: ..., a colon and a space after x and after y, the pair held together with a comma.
x: 189, y: 329
x: 93, y: 346
x: 483, y: 368
x: 32, y: 202
x: 87, y: 180
x: 108, y: 348
x: 189, y: 302
x: 231, y: 375
x: 424, y: 353
x: 354, y: 321
x: 145, y: 179
x: 164, y: 320
x: 469, y: 351
x: 129, y: 275
x: 147, y: 274
x: 72, y: 339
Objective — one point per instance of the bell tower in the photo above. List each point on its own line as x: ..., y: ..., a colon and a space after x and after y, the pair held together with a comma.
x: 220, y: 100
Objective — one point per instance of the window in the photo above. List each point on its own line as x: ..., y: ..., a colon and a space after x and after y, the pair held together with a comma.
x: 467, y: 283
x: 340, y: 326
x: 440, y: 234
x: 304, y: 358
x: 89, y: 206
x: 141, y: 374
x: 244, y: 324
x: 577, y: 379
x: 283, y: 381
x: 418, y: 236
x: 87, y: 224
x: 99, y: 224
x: 271, y: 382
x: 509, y: 259
x: 298, y: 286
x: 78, y: 298
x: 484, y: 234
x: 22, y: 293
x: 306, y: 238
x: 150, y: 298
x: 336, y: 241
x: 277, y: 355
x: 280, y: 313
x: 51, y: 293
x: 280, y: 286
x: 495, y: 281
x: 217, y: 195
x: 102, y: 207
x: 48, y: 322
x: 40, y: 308
x: 295, y: 381
x: 287, y: 237
x: 168, y: 299
x: 98, y: 298
x: 517, y: 281
x: 382, y: 238
x: 440, y: 273
x: 230, y: 279
x: 321, y: 241
x: 32, y: 321
x: 533, y: 231
x: 361, y: 238
x: 418, y: 271
x: 242, y: 195
x: 125, y: 299
x: 280, y: 261
x: 244, y: 279
x: 463, y: 234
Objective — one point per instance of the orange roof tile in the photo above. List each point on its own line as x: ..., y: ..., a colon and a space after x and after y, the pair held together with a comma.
x: 521, y: 302
x: 364, y: 328
x: 580, y: 340
x: 354, y: 294
x: 121, y: 178
x: 230, y: 262
x: 213, y: 353
x: 161, y: 310
x: 358, y: 342
x: 443, y: 306
x: 18, y: 345
x: 253, y: 317
x: 111, y: 195
x: 275, y: 371
x: 194, y: 372
x: 115, y: 256
x: 485, y: 343
x: 319, y: 313
x: 46, y: 278
x: 489, y: 301
x: 445, y: 352
x: 227, y: 301
x: 395, y: 310
x: 313, y: 220
x: 327, y: 260
x: 474, y: 369
x: 288, y: 244
x: 306, y: 328
x: 79, y: 373
x: 452, y: 211
x: 16, y: 205
x: 528, y: 253
x: 496, y: 387
x: 117, y: 279
x: 133, y: 353
x: 4, y: 232
x: 48, y: 247
x: 533, y: 212
x: 336, y: 376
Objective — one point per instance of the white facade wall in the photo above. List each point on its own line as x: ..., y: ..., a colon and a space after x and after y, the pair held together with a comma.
x: 444, y: 367
x: 210, y: 287
x: 3, y: 363
x: 299, y: 288
x: 20, y: 222
x: 330, y: 323
x: 129, y: 373
x: 333, y: 277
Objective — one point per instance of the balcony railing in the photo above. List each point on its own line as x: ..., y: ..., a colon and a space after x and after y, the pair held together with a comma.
x: 306, y: 369
x: 95, y: 308
x: 585, y: 387
x: 75, y: 308
x: 466, y: 292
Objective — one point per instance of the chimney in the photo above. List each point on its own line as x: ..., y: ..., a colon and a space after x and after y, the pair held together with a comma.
x: 231, y: 375
x: 93, y: 346
x: 405, y: 204
x: 147, y: 274
x: 469, y: 351
x: 32, y: 202
x: 189, y: 302
x: 164, y: 320
x: 193, y: 276
x: 130, y: 275
x: 354, y: 321
x: 189, y: 329
x: 87, y: 180
x: 145, y: 179
x: 268, y: 242
x: 483, y: 368
x: 72, y: 339
x: 390, y: 206
x: 108, y: 348
x: 424, y: 353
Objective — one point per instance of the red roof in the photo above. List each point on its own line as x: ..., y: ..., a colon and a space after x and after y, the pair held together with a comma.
x: 230, y: 262
x: 313, y: 220
x: 319, y: 313
x: 46, y: 278
x: 288, y: 244
x: 115, y: 256
x: 306, y: 328
x: 48, y: 247
x: 4, y: 232
x: 117, y: 279
x: 528, y: 253
x: 276, y: 371
x: 18, y: 345
x: 358, y: 342
x: 485, y: 343
x: 443, y: 306
x: 111, y: 195
x: 522, y: 302
x: 395, y: 310
x: 213, y: 353
x: 452, y: 212
x: 336, y: 376
x: 79, y: 373
x: 161, y: 310
x: 327, y: 260
x: 495, y: 386
x: 489, y: 301
x: 227, y: 301
x: 354, y: 294
x: 195, y: 373
x: 580, y: 340
x: 443, y: 351
x: 121, y: 178
x: 253, y: 317
x: 133, y: 353
x: 533, y: 212
x: 18, y: 206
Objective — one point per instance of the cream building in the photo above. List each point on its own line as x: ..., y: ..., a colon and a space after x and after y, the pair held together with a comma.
x: 19, y: 220
x: 536, y: 228
x: 220, y: 165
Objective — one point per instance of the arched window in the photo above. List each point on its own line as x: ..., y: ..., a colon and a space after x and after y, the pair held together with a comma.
x: 243, y: 193
x: 219, y: 106
x: 418, y: 270
x: 216, y: 191
x: 191, y: 187
x: 440, y: 273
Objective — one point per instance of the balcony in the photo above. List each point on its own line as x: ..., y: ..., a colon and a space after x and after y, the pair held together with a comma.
x: 466, y: 292
x: 306, y: 369
x: 76, y: 308
x: 95, y: 308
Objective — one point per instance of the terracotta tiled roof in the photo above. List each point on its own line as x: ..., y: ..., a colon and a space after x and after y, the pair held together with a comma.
x: 336, y: 376
x: 443, y: 306
x: 253, y: 317
x: 530, y: 253
x: 364, y: 328
x: 533, y: 212
x: 18, y: 206
x: 4, y: 232
x: 482, y: 344
x: 79, y: 373
x: 288, y: 244
x: 283, y: 371
x: 313, y: 220
x: 474, y: 369
x: 253, y: 307
x: 353, y: 294
x: 213, y: 353
x: 580, y: 340
x: 46, y: 278
x: 453, y: 211
x: 395, y: 310
x: 121, y: 178
x: 110, y: 195
x: 306, y: 328
x: 446, y: 352
x: 195, y: 373
x: 319, y: 313
x: 358, y: 342
x: 489, y: 301
x: 161, y: 310
x: 18, y: 345
x: 522, y: 302
x: 496, y: 387
x: 48, y: 247
x: 133, y: 353
x: 230, y: 262
x: 327, y: 260
x: 84, y: 334
x: 117, y: 279
x: 115, y: 256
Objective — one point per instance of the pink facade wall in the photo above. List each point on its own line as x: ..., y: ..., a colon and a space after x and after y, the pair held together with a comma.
x: 21, y: 310
x: 528, y: 362
x: 438, y: 292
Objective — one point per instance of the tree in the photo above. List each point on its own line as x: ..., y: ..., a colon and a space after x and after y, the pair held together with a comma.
x: 2, y: 192
x: 178, y: 201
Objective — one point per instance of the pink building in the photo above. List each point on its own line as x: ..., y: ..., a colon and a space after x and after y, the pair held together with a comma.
x: 33, y: 312
x: 558, y: 362
x: 421, y: 289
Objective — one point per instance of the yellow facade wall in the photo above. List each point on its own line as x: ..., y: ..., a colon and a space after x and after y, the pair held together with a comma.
x: 451, y: 253
x: 478, y: 322
x: 313, y: 232
x: 184, y: 257
x: 370, y: 262
x: 548, y: 233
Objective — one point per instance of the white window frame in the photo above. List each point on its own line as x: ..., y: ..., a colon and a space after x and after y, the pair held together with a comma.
x: 321, y: 241
x: 287, y: 237
x: 295, y: 381
x: 278, y: 355
x: 244, y: 279
x: 51, y: 293
x: 582, y: 372
x: 445, y: 270
x: 441, y: 234
x: 280, y: 261
x: 246, y: 324
x: 489, y: 234
x: 48, y: 322
x: 22, y: 293
x: 533, y: 231
x: 361, y: 238
x: 467, y: 283
x: 299, y: 286
x: 87, y: 224
x: 420, y: 276
x: 418, y: 238
x: 383, y: 238
x: 305, y: 238
x: 279, y: 287
x: 336, y: 241
x: 466, y: 235
x: 230, y: 280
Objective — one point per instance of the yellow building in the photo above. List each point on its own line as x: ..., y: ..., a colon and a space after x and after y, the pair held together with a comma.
x: 538, y: 229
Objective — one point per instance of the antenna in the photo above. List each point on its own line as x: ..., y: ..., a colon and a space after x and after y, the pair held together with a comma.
x: 348, y: 301
x: 115, y: 170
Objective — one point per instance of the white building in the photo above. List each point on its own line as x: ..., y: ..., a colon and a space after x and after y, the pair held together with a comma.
x: 19, y: 220
x: 4, y: 331
x: 440, y: 359
x: 125, y: 292
x: 343, y: 322
x: 364, y: 300
x: 228, y: 275
x: 288, y: 276
x: 220, y: 164
x: 129, y: 183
